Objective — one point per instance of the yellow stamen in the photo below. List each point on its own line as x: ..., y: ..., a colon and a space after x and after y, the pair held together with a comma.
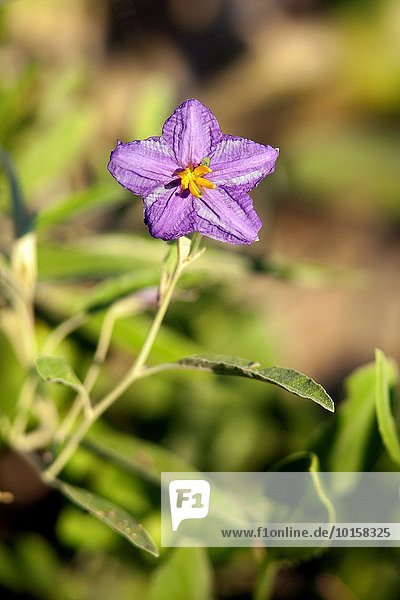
x: 193, y: 180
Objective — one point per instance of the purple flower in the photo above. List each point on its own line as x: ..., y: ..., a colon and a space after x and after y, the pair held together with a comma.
x: 195, y: 178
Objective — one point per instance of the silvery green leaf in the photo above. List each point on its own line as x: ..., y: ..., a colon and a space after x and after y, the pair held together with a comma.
x: 112, y: 515
x: 288, y: 379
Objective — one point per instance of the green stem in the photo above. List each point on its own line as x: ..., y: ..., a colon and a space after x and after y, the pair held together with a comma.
x: 77, y: 406
x: 101, y: 350
x: 149, y: 371
x: 91, y: 376
x: 51, y: 472
x: 68, y: 421
x: 134, y: 372
x: 28, y: 391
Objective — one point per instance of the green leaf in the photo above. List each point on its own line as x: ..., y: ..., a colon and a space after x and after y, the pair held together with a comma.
x: 143, y: 458
x: 266, y: 583
x: 79, y: 530
x: 185, y: 575
x: 72, y: 261
x: 354, y: 423
x: 23, y: 220
x: 288, y: 379
x: 57, y: 370
x: 110, y: 514
x: 385, y: 376
x: 112, y: 289
x: 153, y: 104
x: 108, y: 254
x: 18, y: 97
x: 12, y: 372
x: 97, y: 197
x: 49, y: 151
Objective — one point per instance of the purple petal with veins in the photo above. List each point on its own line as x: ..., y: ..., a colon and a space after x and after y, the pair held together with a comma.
x: 192, y: 131
x: 193, y: 178
x: 240, y: 163
x: 227, y: 216
x: 168, y: 215
x: 141, y: 166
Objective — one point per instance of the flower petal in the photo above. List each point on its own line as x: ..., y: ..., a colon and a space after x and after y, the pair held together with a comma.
x: 240, y: 163
x: 192, y: 131
x: 140, y: 166
x: 227, y: 215
x: 169, y: 214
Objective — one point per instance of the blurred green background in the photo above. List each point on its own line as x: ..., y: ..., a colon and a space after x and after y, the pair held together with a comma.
x: 321, y: 81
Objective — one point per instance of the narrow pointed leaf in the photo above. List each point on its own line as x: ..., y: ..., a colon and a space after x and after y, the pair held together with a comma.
x: 348, y: 450
x: 110, y: 514
x: 49, y: 152
x: 23, y: 220
x: 112, y: 289
x: 97, y: 197
x: 288, y: 379
x: 385, y: 376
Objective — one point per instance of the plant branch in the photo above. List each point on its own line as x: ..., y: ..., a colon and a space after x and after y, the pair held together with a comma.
x: 184, y: 257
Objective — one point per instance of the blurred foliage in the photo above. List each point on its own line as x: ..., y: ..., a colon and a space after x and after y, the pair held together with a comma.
x: 64, y: 97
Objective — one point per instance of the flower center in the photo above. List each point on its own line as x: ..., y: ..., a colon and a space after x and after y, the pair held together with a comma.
x: 193, y: 180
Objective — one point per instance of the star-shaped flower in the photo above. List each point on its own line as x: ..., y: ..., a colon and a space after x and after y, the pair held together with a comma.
x: 195, y: 178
